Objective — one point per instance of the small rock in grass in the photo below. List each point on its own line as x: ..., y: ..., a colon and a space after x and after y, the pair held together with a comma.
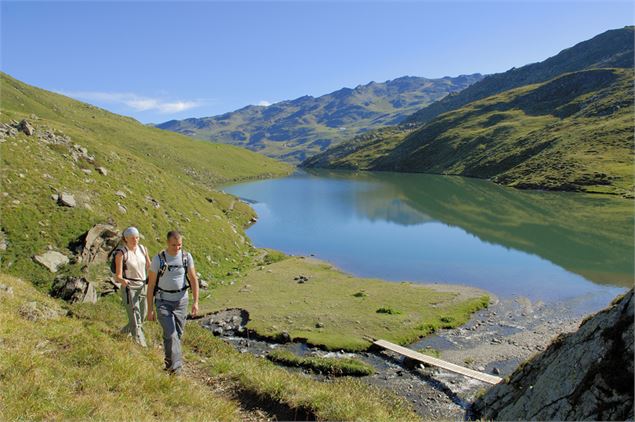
x: 74, y: 289
x: 51, y: 260
x: 8, y: 290
x: 66, y: 199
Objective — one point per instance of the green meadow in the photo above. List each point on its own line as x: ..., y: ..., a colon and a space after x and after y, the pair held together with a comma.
x: 336, y: 311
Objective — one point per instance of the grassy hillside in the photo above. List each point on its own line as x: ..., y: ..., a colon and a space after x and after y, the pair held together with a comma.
x: 574, y: 132
x: 167, y: 180
x: 69, y: 362
x: 357, y: 152
x: 293, y: 130
x: 610, y: 49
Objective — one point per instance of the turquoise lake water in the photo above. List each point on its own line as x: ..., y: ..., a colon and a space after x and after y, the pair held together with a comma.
x: 553, y: 247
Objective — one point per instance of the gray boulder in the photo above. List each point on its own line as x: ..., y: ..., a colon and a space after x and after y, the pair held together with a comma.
x: 51, y: 260
x: 585, y: 375
x: 74, y: 289
x: 66, y: 199
x: 230, y: 321
x: 98, y: 243
x: 26, y: 127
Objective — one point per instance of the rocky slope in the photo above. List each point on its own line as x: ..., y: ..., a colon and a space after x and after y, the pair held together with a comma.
x: 585, y: 375
x: 293, y: 130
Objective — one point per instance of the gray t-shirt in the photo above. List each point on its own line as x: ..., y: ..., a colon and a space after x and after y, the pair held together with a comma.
x: 174, y: 276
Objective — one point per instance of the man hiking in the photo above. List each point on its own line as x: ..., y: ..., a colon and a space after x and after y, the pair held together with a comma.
x: 171, y: 274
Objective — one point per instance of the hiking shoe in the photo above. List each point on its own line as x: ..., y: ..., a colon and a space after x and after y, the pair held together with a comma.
x: 176, y: 372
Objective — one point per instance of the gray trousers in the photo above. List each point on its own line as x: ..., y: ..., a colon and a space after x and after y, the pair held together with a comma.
x: 171, y: 315
x: 134, y: 300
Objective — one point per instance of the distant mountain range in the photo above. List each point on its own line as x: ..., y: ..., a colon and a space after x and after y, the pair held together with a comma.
x: 296, y: 129
x: 564, y: 124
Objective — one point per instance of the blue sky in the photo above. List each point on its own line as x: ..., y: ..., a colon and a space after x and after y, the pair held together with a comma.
x: 157, y: 61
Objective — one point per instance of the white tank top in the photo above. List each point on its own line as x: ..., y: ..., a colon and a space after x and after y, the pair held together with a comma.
x: 135, y: 267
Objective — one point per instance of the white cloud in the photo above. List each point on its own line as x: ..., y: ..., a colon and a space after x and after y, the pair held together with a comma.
x: 264, y: 103
x: 135, y: 102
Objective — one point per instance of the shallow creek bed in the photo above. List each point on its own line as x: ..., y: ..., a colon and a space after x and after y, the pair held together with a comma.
x: 495, y: 341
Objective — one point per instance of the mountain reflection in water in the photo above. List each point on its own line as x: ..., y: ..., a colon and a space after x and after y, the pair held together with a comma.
x: 417, y: 227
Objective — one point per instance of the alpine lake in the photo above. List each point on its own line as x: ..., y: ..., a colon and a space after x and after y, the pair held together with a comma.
x: 559, y: 248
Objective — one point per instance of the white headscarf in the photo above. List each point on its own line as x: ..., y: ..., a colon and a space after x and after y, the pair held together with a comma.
x: 131, y: 231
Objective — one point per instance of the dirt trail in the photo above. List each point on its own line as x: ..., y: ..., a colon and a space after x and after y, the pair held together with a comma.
x: 252, y: 407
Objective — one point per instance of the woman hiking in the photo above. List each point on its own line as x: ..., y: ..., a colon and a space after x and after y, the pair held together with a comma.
x: 131, y: 267
x: 171, y: 274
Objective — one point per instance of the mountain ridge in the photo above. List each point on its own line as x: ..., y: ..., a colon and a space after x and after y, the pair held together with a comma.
x: 293, y: 129
x: 605, y: 50
x: 570, y: 132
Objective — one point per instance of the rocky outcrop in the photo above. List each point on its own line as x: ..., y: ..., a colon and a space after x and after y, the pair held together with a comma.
x: 51, y: 260
x: 74, y: 289
x: 98, y: 243
x: 585, y: 375
x: 66, y: 199
x: 26, y: 127
x: 226, y: 322
x: 7, y: 131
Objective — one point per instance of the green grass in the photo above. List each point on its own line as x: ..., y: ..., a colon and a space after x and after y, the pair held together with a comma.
x: 277, y: 303
x: 323, y: 365
x: 430, y: 352
x: 342, y: 399
x: 78, y: 369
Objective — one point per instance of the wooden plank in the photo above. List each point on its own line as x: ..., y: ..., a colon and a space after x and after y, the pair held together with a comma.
x: 490, y: 379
